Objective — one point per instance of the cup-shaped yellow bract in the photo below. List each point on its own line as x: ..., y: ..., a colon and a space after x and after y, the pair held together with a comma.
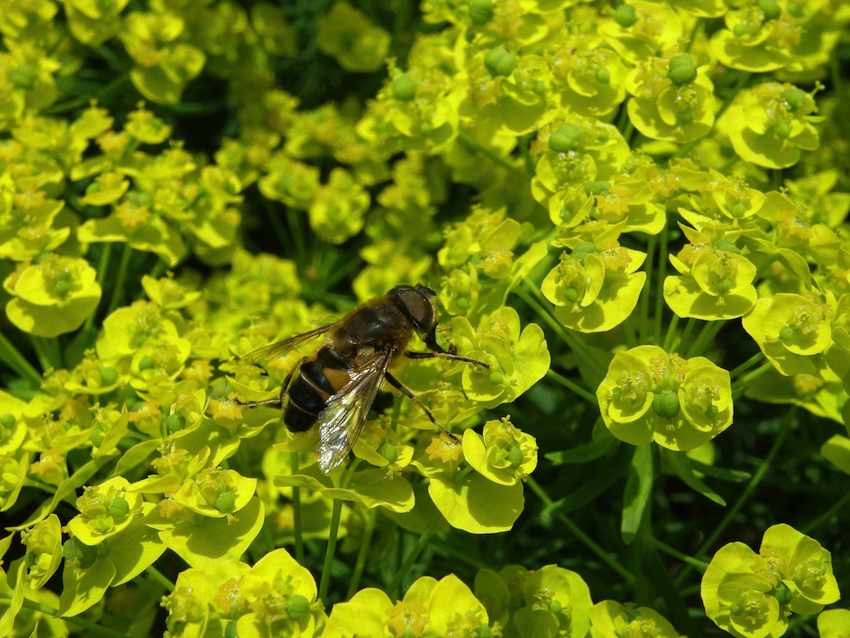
x: 771, y: 36
x: 105, y: 510
x: 834, y: 623
x: 588, y: 81
x: 836, y: 450
x: 610, y: 619
x: 712, y: 284
x: 26, y: 221
x: 650, y: 395
x: 752, y: 595
x: 557, y: 600
x: 640, y: 29
x: 336, y: 212
x: 347, y: 35
x: 276, y: 591
x: 504, y: 454
x: 517, y: 359
x: 672, y: 99
x: 44, y: 551
x: 53, y: 296
x: 595, y: 287
x: 792, y: 330
x: 771, y: 124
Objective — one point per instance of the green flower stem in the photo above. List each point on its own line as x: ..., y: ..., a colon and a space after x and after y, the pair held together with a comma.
x: 699, y: 565
x: 705, y: 337
x: 740, y: 385
x: 17, y: 362
x: 93, y: 628
x: 118, y: 284
x: 571, y: 340
x: 680, y: 344
x: 471, y: 145
x: 631, y: 333
x: 572, y: 386
x: 277, y: 226
x: 758, y: 357
x: 330, y: 550
x: 658, y: 314
x: 647, y: 290
x: 159, y: 577
x: 670, y: 334
x: 102, y: 267
x: 604, y: 556
x: 827, y: 515
x: 293, y: 220
x: 463, y: 557
x: 755, y: 480
x: 42, y: 352
x: 362, y: 553
x: 407, y: 564
x: 296, y: 513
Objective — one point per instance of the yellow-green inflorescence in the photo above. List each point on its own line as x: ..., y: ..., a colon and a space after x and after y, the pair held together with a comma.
x: 643, y: 201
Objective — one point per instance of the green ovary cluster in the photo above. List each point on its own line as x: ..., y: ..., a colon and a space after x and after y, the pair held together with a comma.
x: 650, y: 395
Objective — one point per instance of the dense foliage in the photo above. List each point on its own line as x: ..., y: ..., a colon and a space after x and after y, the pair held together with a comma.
x: 634, y: 212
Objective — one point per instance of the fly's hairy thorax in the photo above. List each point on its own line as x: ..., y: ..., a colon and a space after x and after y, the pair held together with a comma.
x: 376, y: 326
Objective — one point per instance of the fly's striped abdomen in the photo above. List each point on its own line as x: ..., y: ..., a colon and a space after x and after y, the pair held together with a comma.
x: 318, y: 378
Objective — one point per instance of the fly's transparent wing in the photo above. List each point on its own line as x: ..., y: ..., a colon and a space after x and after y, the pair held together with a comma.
x: 279, y: 348
x: 342, y: 420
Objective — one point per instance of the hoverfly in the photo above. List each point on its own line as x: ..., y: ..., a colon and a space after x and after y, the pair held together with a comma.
x: 336, y: 386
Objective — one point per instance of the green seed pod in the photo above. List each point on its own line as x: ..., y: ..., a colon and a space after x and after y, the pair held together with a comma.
x: 795, y: 97
x: 404, y: 87
x: 146, y: 363
x: 515, y: 456
x: 603, y: 75
x: 174, y: 422
x: 666, y: 404
x: 225, y: 501
x: 565, y: 139
x: 500, y: 62
x: 388, y: 451
x: 770, y: 8
x: 625, y: 15
x: 108, y: 375
x: 297, y: 606
x: 118, y: 508
x: 682, y: 69
x: 8, y: 421
x: 480, y: 11
x: 782, y: 594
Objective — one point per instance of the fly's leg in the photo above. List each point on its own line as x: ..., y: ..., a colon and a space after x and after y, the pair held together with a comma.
x: 398, y: 385
x: 271, y: 403
x: 445, y: 355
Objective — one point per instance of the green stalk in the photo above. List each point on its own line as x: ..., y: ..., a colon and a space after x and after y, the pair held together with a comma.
x: 604, y: 556
x: 362, y: 554
x: 681, y: 344
x: 699, y: 565
x: 572, y: 386
x: 330, y: 550
x: 102, y: 266
x: 471, y: 145
x: 118, y: 284
x: 631, y: 334
x: 647, y: 289
x: 16, y: 361
x: 758, y: 357
x: 572, y: 341
x: 828, y: 514
x: 754, y: 482
x: 296, y: 513
x: 160, y: 578
x: 82, y: 623
x: 670, y: 335
x: 41, y: 353
x: 407, y: 564
x: 740, y: 386
x: 705, y: 337
x: 659, y: 286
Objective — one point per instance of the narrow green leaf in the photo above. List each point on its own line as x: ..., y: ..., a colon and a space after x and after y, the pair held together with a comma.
x: 679, y: 463
x: 638, y: 489
x: 720, y: 473
x: 586, y: 452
